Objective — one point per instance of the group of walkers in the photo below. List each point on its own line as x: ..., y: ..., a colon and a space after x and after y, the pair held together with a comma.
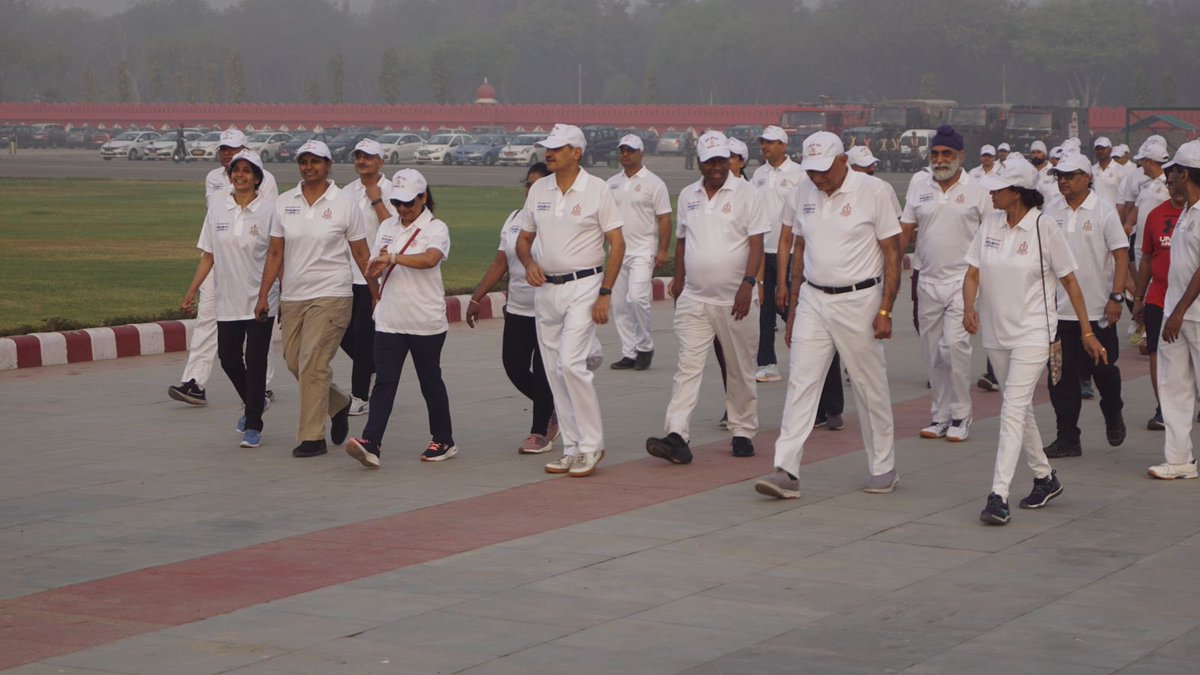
x: 1030, y: 253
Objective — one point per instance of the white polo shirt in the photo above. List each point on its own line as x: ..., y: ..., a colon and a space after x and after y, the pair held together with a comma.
x: 358, y: 192
x: 1131, y: 182
x: 716, y: 234
x: 217, y: 184
x: 641, y: 198
x: 978, y: 173
x: 946, y: 223
x: 842, y: 231
x: 1012, y: 310
x: 1093, y: 231
x: 571, y: 226
x: 1150, y: 193
x: 1185, y: 259
x: 238, y: 240
x: 316, y: 243
x: 1047, y: 184
x: 520, y: 293
x: 413, y: 301
x: 775, y: 186
x: 1107, y: 182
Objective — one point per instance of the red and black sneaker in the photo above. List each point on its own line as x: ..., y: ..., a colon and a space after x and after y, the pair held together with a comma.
x: 438, y: 452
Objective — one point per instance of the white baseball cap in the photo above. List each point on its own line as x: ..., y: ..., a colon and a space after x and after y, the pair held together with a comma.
x: 820, y: 149
x: 860, y: 155
x: 1014, y: 173
x: 1071, y: 143
x: 1154, y: 149
x: 1056, y: 152
x: 407, y: 184
x: 1120, y: 150
x: 774, y: 133
x: 1188, y: 155
x: 1072, y: 162
x: 712, y: 144
x: 368, y: 146
x: 632, y: 141
x: 232, y: 138
x: 250, y: 156
x: 737, y: 147
x: 564, y: 134
x: 1102, y: 142
x: 1005, y: 147
x: 317, y: 148
x: 1037, y: 145
x: 987, y: 150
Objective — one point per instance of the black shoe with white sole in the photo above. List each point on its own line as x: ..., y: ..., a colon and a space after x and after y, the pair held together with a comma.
x: 996, y: 511
x: 1044, y: 489
x: 671, y: 447
x: 189, y: 392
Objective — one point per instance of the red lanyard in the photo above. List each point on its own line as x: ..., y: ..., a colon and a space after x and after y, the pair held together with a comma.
x: 388, y: 273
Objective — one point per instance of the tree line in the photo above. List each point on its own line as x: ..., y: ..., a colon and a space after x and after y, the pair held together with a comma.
x: 1097, y: 52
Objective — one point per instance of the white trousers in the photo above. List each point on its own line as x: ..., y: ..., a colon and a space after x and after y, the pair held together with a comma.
x: 844, y: 323
x: 202, y: 348
x: 566, y: 335
x: 696, y: 324
x: 947, y: 347
x: 1018, y: 371
x: 632, y: 295
x: 1178, y: 380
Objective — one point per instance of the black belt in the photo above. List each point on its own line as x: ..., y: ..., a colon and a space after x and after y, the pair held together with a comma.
x: 572, y: 276
x: 835, y: 290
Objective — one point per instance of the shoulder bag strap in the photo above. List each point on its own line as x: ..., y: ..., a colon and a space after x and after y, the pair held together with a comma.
x: 388, y: 273
x: 1042, y: 268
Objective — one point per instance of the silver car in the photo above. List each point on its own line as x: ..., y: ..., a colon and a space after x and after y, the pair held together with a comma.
x: 129, y: 144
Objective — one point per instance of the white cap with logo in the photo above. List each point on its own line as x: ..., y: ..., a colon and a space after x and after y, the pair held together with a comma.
x: 861, y: 155
x: 820, y: 149
x: 562, y: 135
x: 1102, y: 142
x: 1154, y: 149
x: 1056, y: 152
x: 1016, y: 172
x: 712, y: 144
x: 232, y: 138
x: 987, y: 150
x: 250, y: 156
x: 737, y: 147
x: 631, y: 141
x: 1071, y: 162
x: 774, y: 133
x: 369, y: 146
x: 317, y: 148
x: 1004, y: 147
x: 407, y: 185
x: 1188, y: 155
x: 1120, y: 150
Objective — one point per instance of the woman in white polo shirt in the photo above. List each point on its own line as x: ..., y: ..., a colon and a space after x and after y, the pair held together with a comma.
x: 519, y: 352
x: 235, y: 239
x: 410, y: 318
x: 1014, y: 260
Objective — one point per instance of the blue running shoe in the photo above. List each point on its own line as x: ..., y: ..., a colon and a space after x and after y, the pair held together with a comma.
x: 251, y: 439
x: 241, y: 425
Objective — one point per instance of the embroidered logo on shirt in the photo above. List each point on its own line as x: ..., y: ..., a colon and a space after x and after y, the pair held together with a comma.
x: 927, y: 197
x: 693, y: 206
x: 808, y: 209
x: 728, y: 208
x: 291, y: 210
x: 254, y: 230
x: 962, y: 199
x: 222, y: 227
x: 1087, y: 226
x: 637, y: 188
x: 577, y: 210
x: 991, y: 242
x: 846, y: 211
x: 1023, y: 248
x: 785, y: 184
x: 328, y: 215
x: 542, y: 206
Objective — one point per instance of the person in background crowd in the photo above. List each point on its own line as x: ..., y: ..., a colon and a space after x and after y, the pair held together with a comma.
x: 987, y: 162
x: 1015, y: 257
x: 1002, y: 152
x: 410, y: 318
x: 1106, y: 173
x: 861, y: 160
x: 316, y: 221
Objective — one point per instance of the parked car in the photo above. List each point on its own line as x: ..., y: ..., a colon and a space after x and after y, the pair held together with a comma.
x: 748, y: 134
x: 164, y: 147
x: 399, y: 147
x: 268, y: 144
x: 649, y: 138
x: 438, y: 148
x: 672, y: 143
x: 521, y: 151
x: 483, y: 150
x: 205, y: 147
x: 21, y: 133
x: 128, y: 144
x: 341, y: 145
x: 601, y: 143
x: 48, y: 136
x: 287, y: 152
x: 81, y: 137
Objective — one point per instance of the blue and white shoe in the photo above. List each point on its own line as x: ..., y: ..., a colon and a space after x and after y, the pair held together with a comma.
x: 251, y: 439
x: 241, y: 425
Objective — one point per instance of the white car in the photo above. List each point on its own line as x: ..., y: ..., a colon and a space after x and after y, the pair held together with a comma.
x: 267, y: 144
x: 164, y: 147
x: 205, y: 147
x: 522, y: 151
x: 438, y: 148
x: 399, y: 147
x: 129, y: 144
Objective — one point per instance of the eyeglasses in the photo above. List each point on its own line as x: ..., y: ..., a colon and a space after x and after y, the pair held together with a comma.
x: 406, y: 204
x: 1068, y: 175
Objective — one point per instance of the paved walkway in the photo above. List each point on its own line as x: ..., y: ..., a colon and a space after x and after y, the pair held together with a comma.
x: 135, y: 537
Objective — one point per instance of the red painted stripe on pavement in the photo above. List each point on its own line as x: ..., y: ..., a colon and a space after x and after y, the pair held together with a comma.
x: 128, y: 339
x: 29, y: 351
x: 174, y: 336
x: 658, y: 289
x: 89, y: 614
x: 79, y: 346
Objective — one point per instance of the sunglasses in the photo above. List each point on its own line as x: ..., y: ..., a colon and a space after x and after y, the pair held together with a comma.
x: 406, y: 204
x: 1069, y: 175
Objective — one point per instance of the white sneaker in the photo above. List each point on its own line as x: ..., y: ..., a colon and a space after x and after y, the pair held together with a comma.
x: 358, y: 406
x: 561, y: 465
x: 935, y: 430
x: 1171, y: 471
x: 768, y: 374
x: 958, y: 431
x: 585, y: 464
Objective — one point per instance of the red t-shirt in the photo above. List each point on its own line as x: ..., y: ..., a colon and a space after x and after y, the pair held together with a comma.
x: 1156, y: 241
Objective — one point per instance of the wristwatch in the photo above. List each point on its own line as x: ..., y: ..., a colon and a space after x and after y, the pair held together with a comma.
x: 1117, y: 297
x: 605, y: 291
x: 750, y: 280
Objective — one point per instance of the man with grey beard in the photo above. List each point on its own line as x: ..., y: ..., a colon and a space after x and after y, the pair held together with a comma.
x: 943, y: 210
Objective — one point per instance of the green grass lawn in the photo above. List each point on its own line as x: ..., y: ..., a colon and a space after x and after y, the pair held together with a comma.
x: 81, y: 252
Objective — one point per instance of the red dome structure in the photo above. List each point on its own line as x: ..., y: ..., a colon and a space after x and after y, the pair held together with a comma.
x: 486, y: 93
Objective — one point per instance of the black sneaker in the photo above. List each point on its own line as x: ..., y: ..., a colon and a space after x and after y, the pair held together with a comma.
x: 1060, y: 448
x: 742, y: 447
x: 672, y: 448
x: 310, y: 448
x: 339, y: 425
x: 1044, y: 489
x: 625, y: 363
x: 438, y: 452
x: 988, y: 383
x: 188, y: 392
x: 366, y: 452
x: 1156, y: 423
x: 996, y: 511
x: 1086, y: 391
x: 642, y: 360
x: 1115, y: 430
x: 270, y: 395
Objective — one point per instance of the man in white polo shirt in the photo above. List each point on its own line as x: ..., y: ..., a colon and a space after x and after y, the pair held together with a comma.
x: 845, y: 273
x: 1101, y: 250
x: 572, y: 214
x: 1179, y: 351
x: 645, y: 209
x: 1002, y: 151
x: 987, y: 163
x: 1147, y: 191
x: 943, y: 210
x: 718, y: 251
x: 862, y: 160
x: 1039, y: 157
x: 1106, y: 173
x: 775, y: 180
x: 202, y: 348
